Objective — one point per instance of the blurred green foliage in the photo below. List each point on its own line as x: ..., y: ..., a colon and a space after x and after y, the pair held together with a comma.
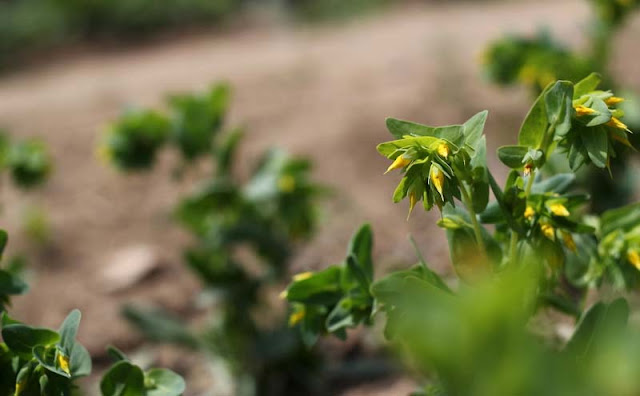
x: 245, y: 229
x: 28, y: 161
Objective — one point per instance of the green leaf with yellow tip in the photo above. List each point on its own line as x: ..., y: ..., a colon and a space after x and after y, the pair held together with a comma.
x: 586, y: 85
x: 388, y: 148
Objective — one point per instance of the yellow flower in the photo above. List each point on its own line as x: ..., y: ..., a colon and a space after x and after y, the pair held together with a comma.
x: 527, y: 169
x: 63, y: 362
x: 634, y: 258
x: 443, y: 150
x: 287, y: 183
x: 529, y: 212
x: 437, y: 178
x: 284, y: 294
x: 583, y: 110
x: 616, y: 123
x: 548, y: 231
x: 569, y: 242
x: 413, y: 200
x: 302, y: 276
x: 559, y: 210
x: 399, y: 163
x: 296, y: 317
x: 614, y: 100
x: 20, y: 387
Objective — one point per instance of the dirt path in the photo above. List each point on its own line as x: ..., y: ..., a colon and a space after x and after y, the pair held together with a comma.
x: 322, y: 92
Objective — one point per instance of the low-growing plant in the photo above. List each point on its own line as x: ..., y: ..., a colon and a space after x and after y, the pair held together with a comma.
x: 532, y: 249
x: 536, y: 61
x: 37, y: 361
x: 245, y: 230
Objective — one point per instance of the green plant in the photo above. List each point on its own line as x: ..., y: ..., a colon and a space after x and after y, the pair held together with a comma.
x: 545, y: 252
x: 536, y: 61
x: 245, y: 230
x: 45, y: 362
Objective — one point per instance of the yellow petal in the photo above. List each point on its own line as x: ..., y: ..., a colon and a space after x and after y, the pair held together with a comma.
x: 529, y: 213
x: 614, y: 100
x: 63, y: 362
x: 437, y: 178
x: 569, y: 242
x: 583, y: 110
x: 559, y: 210
x: 413, y: 200
x: 443, y: 150
x: 302, y: 276
x: 399, y: 163
x: 616, y: 123
x: 634, y: 258
x: 296, y: 317
x: 548, y: 231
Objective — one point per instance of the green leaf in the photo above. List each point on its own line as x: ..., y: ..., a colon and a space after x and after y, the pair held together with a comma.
x: 558, y: 184
x: 624, y: 219
x: 4, y: 238
x: 534, y: 127
x: 22, y: 338
x: 159, y: 326
x: 46, y: 356
x: 123, y: 379
x: 559, y: 107
x: 388, y: 148
x: 401, y: 128
x: 69, y: 329
x: 360, y: 246
x: 11, y: 284
x: 116, y: 354
x: 586, y: 85
x: 79, y: 361
x: 474, y: 127
x: 513, y: 156
x: 322, y: 287
x: 164, y: 383
x: 596, y: 142
x: 601, y: 321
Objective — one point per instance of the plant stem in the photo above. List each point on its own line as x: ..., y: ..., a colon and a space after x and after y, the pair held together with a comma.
x: 532, y: 177
x: 466, y: 199
x: 513, y: 246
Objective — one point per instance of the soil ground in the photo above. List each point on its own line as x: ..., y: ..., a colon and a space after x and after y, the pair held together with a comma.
x: 322, y: 92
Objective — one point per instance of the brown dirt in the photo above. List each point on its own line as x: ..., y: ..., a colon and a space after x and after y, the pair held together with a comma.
x: 322, y: 92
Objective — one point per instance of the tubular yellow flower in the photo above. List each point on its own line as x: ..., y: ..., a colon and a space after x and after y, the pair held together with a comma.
x: 443, y: 150
x: 527, y: 169
x: 634, y: 258
x: 616, y: 123
x: 559, y: 210
x: 296, y: 317
x: 548, y: 231
x: 583, y: 110
x: 302, y: 276
x: 399, y: 163
x: 614, y: 100
x: 63, y: 362
x: 569, y: 242
x: 529, y: 213
x: 437, y: 178
x: 413, y: 200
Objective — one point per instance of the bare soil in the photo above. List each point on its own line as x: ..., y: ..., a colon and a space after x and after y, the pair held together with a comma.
x: 320, y: 91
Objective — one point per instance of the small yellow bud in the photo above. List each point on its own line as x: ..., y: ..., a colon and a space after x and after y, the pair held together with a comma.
x: 529, y: 213
x: 527, y: 169
x: 548, y: 231
x: 616, y: 123
x: 283, y: 294
x: 614, y: 100
x: 634, y: 258
x: 569, y: 242
x: 296, y: 317
x: 287, y: 183
x: 63, y: 362
x: 20, y: 387
x: 443, y: 150
x: 399, y: 163
x: 559, y: 210
x: 413, y: 200
x: 437, y: 178
x: 583, y: 110
x: 302, y: 276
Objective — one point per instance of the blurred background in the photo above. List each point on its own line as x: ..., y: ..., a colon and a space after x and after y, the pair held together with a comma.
x: 314, y: 77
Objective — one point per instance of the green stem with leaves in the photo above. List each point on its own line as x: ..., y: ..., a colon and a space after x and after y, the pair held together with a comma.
x: 466, y: 199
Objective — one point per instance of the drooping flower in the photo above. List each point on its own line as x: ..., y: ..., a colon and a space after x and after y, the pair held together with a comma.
x: 582, y: 110
x: 443, y: 150
x: 399, y: 163
x: 559, y: 210
x: 634, y: 258
x: 568, y: 241
x: 529, y: 213
x: 548, y: 231
x: 63, y: 362
x: 616, y: 123
x: 614, y: 100
x: 437, y: 178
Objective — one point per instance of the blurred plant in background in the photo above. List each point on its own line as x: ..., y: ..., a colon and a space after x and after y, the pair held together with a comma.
x: 476, y: 335
x: 536, y: 61
x: 245, y: 231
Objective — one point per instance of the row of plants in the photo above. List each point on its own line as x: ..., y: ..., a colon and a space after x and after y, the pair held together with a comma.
x: 245, y: 228
x: 533, y: 249
x: 30, y: 26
